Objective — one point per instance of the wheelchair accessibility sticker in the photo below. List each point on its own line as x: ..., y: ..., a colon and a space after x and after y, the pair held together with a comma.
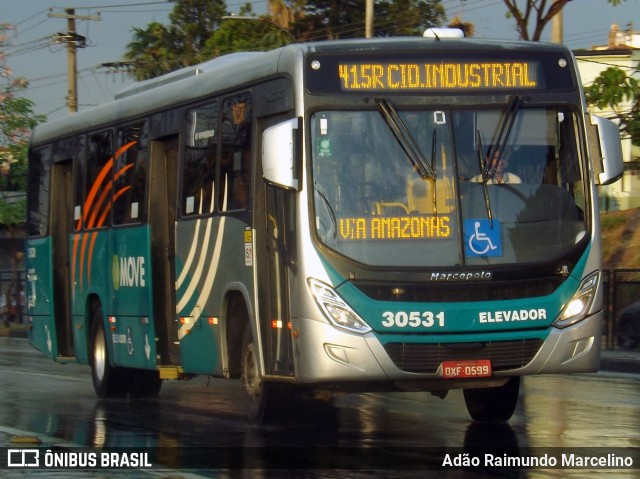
x: 480, y: 239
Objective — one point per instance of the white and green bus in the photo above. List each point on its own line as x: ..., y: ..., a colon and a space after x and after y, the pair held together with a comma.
x: 329, y: 215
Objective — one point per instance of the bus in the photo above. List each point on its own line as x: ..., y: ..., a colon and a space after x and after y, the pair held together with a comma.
x: 327, y: 216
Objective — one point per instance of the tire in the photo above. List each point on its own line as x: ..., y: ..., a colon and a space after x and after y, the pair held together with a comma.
x: 145, y: 383
x: 493, y: 404
x: 108, y: 381
x: 269, y: 402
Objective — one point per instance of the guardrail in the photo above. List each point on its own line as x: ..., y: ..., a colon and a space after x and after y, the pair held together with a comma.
x: 621, y: 288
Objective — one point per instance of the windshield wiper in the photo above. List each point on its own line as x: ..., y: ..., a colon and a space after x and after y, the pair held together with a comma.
x: 489, y: 170
x: 485, y: 179
x: 329, y: 208
x: 406, y: 141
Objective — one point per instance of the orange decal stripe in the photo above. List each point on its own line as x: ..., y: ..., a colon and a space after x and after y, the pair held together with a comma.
x: 98, y: 205
x: 88, y: 213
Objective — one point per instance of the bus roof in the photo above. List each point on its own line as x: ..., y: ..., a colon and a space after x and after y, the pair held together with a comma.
x: 231, y: 71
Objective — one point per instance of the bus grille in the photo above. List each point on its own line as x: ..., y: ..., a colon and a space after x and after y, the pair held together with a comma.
x: 426, y: 358
x: 455, y: 292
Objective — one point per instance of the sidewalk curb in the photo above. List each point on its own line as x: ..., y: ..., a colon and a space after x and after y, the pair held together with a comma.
x: 620, y: 362
x: 14, y: 332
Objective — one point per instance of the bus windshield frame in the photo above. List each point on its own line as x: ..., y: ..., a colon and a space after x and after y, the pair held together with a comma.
x: 436, y: 200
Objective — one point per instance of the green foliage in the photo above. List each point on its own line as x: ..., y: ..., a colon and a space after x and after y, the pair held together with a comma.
x: 17, y: 119
x: 161, y: 49
x: 201, y: 30
x: 243, y: 35
x: 334, y: 19
x: 611, y: 222
x: 13, y: 213
x: 611, y: 89
x: 152, y: 51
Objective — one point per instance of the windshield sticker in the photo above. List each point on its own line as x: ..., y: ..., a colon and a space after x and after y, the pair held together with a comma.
x: 481, y: 238
x: 324, y: 148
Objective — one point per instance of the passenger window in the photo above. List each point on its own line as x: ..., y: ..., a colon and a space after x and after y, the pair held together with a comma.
x: 199, y: 160
x: 38, y: 191
x: 130, y: 175
x: 235, y: 162
x: 97, y: 205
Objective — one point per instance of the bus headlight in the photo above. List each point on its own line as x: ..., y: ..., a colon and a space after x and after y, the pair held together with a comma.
x: 339, y: 314
x: 580, y: 303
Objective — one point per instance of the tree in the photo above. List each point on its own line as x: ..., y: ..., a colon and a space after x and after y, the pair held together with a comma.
x: 246, y: 32
x: 16, y: 122
x: 160, y: 49
x: 152, y: 52
x: 17, y: 119
x: 611, y: 89
x: 194, y: 21
x: 542, y: 11
x: 333, y: 19
x: 201, y: 30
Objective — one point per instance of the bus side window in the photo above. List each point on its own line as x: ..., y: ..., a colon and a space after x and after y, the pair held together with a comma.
x: 129, y: 175
x: 198, y: 167
x: 96, y: 206
x: 38, y: 192
x: 77, y: 152
x: 235, y: 162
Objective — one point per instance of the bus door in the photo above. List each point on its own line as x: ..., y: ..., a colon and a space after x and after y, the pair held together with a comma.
x: 162, y: 218
x: 61, y: 223
x: 276, y: 257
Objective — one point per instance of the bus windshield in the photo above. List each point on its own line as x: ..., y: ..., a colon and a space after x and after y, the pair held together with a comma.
x: 430, y: 188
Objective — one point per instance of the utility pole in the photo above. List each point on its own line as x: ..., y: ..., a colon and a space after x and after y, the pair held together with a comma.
x: 557, y: 35
x: 557, y: 26
x: 368, y: 19
x: 73, y: 41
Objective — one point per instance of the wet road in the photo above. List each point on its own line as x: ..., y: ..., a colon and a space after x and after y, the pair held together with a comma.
x: 202, y: 422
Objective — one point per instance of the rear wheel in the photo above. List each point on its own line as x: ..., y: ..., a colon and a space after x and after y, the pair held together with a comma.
x: 108, y: 381
x: 269, y: 402
x: 493, y: 404
x: 145, y: 383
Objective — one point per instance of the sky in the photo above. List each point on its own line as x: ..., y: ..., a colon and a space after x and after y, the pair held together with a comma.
x: 30, y: 53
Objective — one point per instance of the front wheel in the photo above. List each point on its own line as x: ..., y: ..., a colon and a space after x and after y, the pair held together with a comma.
x: 493, y: 404
x: 269, y: 402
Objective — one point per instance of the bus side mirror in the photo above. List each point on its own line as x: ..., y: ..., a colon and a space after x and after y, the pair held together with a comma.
x: 280, y: 147
x: 605, y: 150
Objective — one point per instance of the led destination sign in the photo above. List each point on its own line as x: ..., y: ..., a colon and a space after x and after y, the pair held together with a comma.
x: 458, y: 72
x: 394, y: 227
x: 457, y: 75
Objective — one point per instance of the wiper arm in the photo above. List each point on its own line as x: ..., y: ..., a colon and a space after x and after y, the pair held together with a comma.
x: 406, y: 141
x: 489, y: 170
x: 433, y: 162
x: 485, y: 178
x: 329, y: 208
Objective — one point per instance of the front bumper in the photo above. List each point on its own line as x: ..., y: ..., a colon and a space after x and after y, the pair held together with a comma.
x: 325, y: 354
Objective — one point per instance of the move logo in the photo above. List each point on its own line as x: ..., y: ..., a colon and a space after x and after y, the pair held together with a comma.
x: 128, y: 272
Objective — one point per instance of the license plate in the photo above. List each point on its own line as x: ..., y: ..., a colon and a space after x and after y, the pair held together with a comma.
x: 477, y: 368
